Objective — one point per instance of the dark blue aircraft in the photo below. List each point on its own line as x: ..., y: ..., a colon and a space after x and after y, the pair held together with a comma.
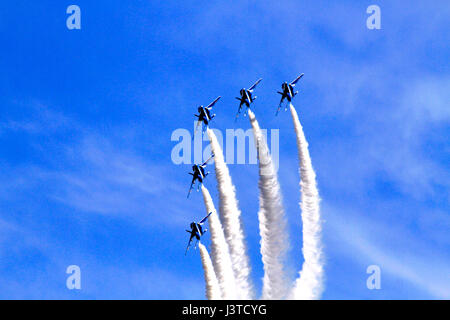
x: 288, y: 92
x: 198, y: 174
x: 204, y: 114
x: 246, y: 97
x: 196, y: 231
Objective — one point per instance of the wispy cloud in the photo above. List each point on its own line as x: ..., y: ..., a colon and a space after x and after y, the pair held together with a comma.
x: 34, y: 267
x: 399, y: 254
x: 33, y: 117
x: 91, y: 172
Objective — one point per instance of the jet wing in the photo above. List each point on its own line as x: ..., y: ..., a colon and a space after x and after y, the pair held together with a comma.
x: 296, y: 80
x: 205, y: 218
x: 279, y: 107
x: 189, y: 243
x: 239, y: 109
x: 191, y: 187
x: 255, y: 84
x: 213, y: 103
x: 206, y: 162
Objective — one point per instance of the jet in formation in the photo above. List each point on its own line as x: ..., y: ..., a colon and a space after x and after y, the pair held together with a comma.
x: 196, y: 232
x: 204, y: 115
x: 288, y: 92
x: 246, y: 98
x: 198, y: 174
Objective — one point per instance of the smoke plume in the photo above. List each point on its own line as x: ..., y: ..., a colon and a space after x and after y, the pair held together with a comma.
x: 272, y: 221
x: 230, y: 216
x: 212, y: 285
x: 219, y: 250
x: 309, y: 285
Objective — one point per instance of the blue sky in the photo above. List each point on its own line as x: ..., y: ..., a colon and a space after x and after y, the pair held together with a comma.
x: 86, y: 117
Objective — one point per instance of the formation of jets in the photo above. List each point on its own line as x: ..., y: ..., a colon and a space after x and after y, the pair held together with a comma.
x: 204, y: 117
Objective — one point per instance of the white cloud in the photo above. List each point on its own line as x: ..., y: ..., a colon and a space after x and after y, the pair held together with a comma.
x: 34, y: 118
x: 400, y: 255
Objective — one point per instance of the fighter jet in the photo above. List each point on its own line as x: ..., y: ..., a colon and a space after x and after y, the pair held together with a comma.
x: 198, y: 174
x: 246, y: 97
x: 196, y: 231
x: 204, y: 115
x: 288, y: 92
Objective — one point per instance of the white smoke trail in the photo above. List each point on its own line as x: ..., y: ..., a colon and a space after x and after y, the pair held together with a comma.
x: 219, y: 251
x: 309, y: 285
x: 231, y: 220
x: 212, y: 285
x: 272, y: 221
